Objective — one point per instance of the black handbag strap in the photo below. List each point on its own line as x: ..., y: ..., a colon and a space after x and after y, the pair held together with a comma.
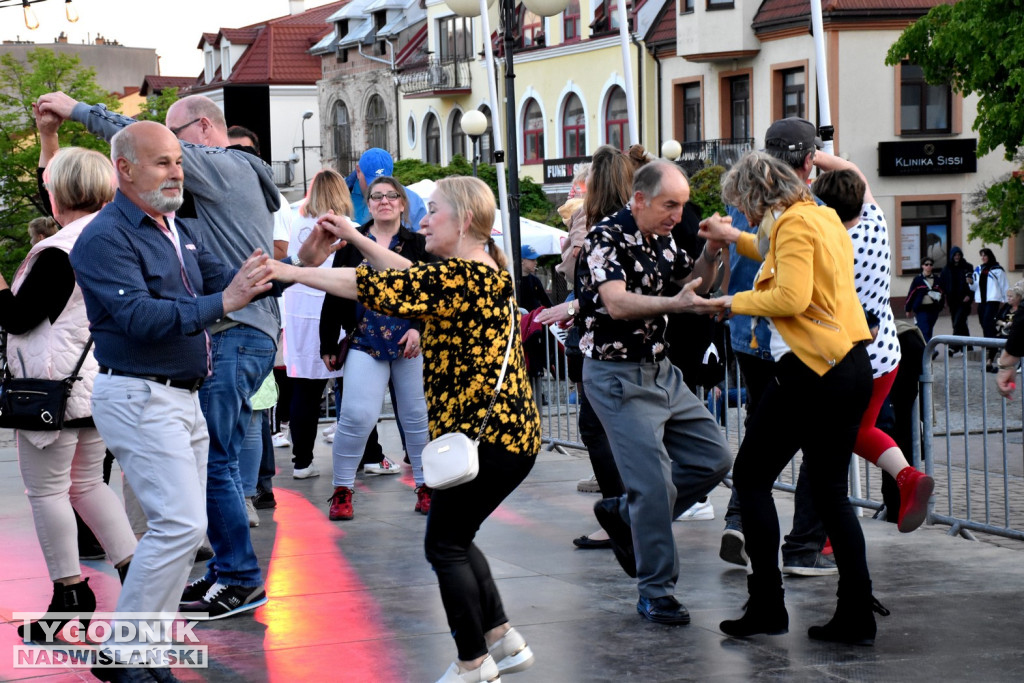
x: 74, y: 377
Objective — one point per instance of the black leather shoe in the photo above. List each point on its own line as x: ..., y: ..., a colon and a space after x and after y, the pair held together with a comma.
x: 663, y: 610
x: 587, y: 543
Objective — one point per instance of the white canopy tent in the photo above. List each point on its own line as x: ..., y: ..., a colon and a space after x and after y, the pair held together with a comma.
x: 543, y: 238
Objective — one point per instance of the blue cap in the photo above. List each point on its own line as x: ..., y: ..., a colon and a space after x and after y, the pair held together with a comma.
x: 529, y: 253
x: 376, y: 162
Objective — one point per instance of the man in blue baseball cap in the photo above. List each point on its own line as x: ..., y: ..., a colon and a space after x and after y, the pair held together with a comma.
x: 531, y: 292
x: 373, y: 163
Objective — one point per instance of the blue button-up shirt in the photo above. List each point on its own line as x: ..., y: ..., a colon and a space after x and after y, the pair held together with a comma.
x: 142, y: 317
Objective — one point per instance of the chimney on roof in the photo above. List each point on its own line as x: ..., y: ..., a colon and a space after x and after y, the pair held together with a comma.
x: 100, y: 40
x: 296, y: 7
x: 62, y: 38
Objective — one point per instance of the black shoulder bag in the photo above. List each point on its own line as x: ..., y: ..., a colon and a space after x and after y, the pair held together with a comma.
x: 36, y: 404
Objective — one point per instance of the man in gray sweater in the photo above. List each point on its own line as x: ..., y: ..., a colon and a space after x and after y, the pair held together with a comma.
x: 233, y: 198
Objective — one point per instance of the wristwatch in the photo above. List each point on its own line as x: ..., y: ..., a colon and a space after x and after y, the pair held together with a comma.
x: 571, y: 310
x: 297, y: 262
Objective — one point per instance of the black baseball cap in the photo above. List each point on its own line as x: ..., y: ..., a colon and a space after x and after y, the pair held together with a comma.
x: 792, y: 134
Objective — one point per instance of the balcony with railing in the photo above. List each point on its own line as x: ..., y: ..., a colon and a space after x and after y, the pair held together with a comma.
x: 722, y: 152
x: 435, y: 77
x: 284, y: 173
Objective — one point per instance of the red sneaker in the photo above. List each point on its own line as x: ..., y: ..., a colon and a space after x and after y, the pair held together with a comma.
x: 915, y: 491
x: 341, y: 504
x: 423, y: 499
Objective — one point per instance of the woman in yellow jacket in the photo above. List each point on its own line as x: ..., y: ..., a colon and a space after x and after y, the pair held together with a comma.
x: 823, y: 383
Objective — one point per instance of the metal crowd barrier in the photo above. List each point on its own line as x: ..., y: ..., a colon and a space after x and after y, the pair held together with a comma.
x: 973, y: 448
x: 970, y: 441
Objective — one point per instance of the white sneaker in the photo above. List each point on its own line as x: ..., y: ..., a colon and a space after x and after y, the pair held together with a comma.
x: 250, y: 509
x: 488, y: 672
x: 511, y: 653
x: 280, y: 440
x: 329, y: 429
x: 306, y: 472
x: 385, y: 466
x: 697, y: 512
x: 329, y: 435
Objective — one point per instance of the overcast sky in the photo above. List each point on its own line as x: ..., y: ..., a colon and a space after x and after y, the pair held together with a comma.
x: 173, y: 27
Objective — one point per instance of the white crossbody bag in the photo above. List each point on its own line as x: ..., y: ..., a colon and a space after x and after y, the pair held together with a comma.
x: 452, y: 459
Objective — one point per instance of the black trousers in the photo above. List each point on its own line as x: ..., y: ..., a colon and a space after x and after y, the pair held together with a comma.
x: 819, y: 415
x: 470, y: 598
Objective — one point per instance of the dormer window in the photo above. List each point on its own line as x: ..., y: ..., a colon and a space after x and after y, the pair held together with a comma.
x: 208, y: 67
x: 225, y: 60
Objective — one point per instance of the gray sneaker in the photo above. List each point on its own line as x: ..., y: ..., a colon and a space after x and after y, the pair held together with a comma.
x: 817, y: 564
x: 588, y: 485
x: 250, y: 509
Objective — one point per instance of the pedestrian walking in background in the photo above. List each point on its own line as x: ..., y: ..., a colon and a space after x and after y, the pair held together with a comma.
x: 924, y: 299
x: 989, y: 285
x: 954, y: 281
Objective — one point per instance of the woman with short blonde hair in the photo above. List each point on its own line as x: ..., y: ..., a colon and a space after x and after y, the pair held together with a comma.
x: 44, y: 314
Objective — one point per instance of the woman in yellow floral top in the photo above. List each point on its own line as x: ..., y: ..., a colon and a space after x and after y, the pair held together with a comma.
x: 464, y: 301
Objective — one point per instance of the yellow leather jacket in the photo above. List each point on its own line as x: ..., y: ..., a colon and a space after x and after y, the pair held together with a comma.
x: 806, y: 285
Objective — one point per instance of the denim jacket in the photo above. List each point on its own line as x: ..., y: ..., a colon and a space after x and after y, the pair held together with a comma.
x: 742, y: 270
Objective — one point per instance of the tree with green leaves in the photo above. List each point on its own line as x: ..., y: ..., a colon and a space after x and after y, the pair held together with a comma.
x: 977, y: 47
x: 157, y: 105
x: 20, y: 84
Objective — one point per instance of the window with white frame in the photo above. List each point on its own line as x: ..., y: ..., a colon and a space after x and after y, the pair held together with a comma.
x: 616, y: 119
x: 574, y: 134
x: 533, y: 133
x: 458, y: 136
x: 431, y: 140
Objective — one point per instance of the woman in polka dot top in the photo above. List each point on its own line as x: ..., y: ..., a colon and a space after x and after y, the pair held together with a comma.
x: 845, y: 189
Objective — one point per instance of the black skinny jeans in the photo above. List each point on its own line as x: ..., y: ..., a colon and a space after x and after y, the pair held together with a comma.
x: 468, y: 593
x: 819, y: 415
x: 593, y: 436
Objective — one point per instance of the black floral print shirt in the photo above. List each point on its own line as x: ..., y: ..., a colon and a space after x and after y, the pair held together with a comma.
x: 465, y: 306
x: 615, y: 249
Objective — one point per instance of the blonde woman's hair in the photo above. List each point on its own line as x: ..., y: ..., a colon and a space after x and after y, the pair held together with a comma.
x: 327, y: 192
x: 472, y: 197
x: 41, y: 228
x: 80, y: 179
x: 759, y: 182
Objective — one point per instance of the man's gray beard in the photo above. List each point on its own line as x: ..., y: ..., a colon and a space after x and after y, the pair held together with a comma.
x: 161, y: 202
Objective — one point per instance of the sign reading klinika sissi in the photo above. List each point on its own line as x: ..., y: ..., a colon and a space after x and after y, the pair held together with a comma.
x: 927, y: 157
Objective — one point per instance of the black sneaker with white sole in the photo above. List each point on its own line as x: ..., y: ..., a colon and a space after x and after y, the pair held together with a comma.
x: 195, y: 590
x: 224, y: 601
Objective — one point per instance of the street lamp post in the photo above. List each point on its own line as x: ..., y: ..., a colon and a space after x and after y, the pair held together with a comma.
x: 474, y: 124
x: 305, y: 115
x: 507, y: 21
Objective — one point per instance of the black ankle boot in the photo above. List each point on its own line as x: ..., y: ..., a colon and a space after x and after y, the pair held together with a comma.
x: 122, y: 571
x: 765, y: 611
x: 77, y: 599
x: 854, y: 620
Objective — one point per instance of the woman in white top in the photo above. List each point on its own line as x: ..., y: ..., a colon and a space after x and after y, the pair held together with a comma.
x: 843, y: 188
x: 301, y: 317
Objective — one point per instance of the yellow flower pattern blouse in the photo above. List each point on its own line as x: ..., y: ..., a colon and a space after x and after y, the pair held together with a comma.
x: 466, y: 313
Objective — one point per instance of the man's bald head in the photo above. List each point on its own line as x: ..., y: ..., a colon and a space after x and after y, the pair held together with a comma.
x: 198, y: 119
x: 147, y: 157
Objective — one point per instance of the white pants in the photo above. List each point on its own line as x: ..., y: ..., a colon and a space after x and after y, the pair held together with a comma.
x: 366, y: 380
x: 158, y: 435
x: 69, y: 472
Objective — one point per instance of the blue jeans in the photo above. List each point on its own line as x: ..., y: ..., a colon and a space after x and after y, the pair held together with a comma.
x: 251, y: 455
x: 242, y: 357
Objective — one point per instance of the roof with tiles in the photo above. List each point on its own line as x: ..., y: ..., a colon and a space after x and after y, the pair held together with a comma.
x: 664, y: 28
x: 278, y: 52
x: 154, y: 84
x: 781, y: 12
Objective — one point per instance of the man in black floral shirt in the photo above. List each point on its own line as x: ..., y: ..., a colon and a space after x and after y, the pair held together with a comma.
x: 667, y: 446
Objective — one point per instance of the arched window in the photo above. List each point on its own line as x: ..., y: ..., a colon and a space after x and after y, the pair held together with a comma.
x: 458, y: 137
x: 574, y: 136
x: 486, y: 141
x: 376, y: 123
x: 533, y: 133
x: 616, y: 119
x: 342, y: 138
x: 431, y: 140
